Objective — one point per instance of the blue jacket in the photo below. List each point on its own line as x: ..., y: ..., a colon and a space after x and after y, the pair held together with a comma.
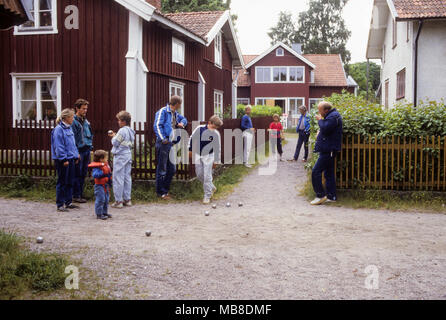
x: 246, y: 123
x: 63, y: 144
x: 200, y: 140
x: 123, y: 141
x: 330, y: 136
x: 82, y: 134
x: 163, y: 123
x: 307, y: 123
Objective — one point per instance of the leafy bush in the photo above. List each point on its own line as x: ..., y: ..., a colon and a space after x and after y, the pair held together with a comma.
x: 259, y: 111
x: 365, y: 118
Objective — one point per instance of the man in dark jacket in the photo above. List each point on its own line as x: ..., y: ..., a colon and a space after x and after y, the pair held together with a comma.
x: 84, y: 143
x: 328, y: 144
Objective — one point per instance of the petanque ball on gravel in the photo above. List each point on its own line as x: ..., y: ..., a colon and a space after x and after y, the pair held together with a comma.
x: 240, y: 204
x: 148, y: 233
x: 39, y: 240
x: 214, y: 206
x: 228, y: 205
x: 207, y: 213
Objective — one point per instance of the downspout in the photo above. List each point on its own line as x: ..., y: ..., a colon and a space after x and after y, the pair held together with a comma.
x: 415, y: 91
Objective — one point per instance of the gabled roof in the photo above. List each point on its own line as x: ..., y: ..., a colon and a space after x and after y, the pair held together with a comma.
x: 329, y: 72
x: 280, y: 44
x: 419, y: 9
x: 11, y: 13
x: 140, y: 7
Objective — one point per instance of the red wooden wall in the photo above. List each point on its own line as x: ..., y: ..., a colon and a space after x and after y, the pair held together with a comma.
x: 91, y: 59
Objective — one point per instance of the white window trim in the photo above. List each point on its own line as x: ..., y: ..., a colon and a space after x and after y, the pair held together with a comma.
x: 177, y: 85
x: 277, y: 52
x: 18, y: 31
x: 16, y: 77
x: 248, y: 100
x: 288, y: 74
x: 181, y: 43
x: 312, y: 76
x: 318, y: 100
x: 218, y: 40
x: 221, y: 93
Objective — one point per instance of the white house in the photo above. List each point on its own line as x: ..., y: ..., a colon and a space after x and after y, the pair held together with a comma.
x: 409, y: 36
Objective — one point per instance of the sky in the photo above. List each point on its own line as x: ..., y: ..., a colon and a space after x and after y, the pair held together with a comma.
x: 256, y: 17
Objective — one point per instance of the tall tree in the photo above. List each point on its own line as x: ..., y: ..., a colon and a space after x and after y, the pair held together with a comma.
x: 359, y: 72
x: 322, y: 29
x: 284, y: 31
x: 169, y: 6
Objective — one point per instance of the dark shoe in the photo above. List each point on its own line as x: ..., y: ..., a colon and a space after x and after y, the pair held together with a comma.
x: 166, y: 197
x: 103, y: 217
x: 80, y: 200
x: 72, y: 206
x: 128, y: 203
x: 108, y: 215
x: 62, y: 209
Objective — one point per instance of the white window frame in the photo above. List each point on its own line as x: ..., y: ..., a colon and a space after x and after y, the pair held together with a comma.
x: 271, y: 80
x: 287, y: 74
x: 175, y: 58
x: 218, y: 93
x: 16, y: 94
x: 218, y: 50
x: 316, y: 100
x: 23, y: 31
x: 243, y: 101
x: 177, y: 85
x: 311, y: 76
x: 289, y: 104
x: 280, y: 49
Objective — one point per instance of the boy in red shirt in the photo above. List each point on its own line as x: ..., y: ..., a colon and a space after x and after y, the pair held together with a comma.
x: 276, y: 130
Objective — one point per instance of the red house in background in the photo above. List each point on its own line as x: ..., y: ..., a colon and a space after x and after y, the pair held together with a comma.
x: 282, y: 76
x: 120, y: 54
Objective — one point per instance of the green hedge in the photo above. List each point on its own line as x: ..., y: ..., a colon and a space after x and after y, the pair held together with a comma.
x: 259, y: 111
x: 365, y: 118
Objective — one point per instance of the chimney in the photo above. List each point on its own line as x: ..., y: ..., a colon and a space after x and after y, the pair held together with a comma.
x: 297, y: 47
x: 155, y: 3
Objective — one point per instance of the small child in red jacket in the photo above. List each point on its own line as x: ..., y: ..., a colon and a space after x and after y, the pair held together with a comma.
x: 103, y: 180
x: 277, y: 136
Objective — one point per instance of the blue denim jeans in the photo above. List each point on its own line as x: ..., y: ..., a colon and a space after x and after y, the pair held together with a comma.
x: 65, y: 181
x: 325, y: 164
x: 81, y: 173
x: 303, y: 140
x: 102, y: 195
x: 165, y: 170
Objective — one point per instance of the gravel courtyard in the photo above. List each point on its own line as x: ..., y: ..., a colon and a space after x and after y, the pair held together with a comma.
x: 275, y: 247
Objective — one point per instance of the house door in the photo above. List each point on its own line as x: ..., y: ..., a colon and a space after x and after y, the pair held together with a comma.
x: 201, y: 98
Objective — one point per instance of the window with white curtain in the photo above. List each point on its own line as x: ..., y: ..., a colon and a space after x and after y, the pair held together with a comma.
x: 177, y: 89
x: 178, y: 51
x: 42, y: 15
x: 263, y: 74
x: 280, y: 74
x: 36, y: 96
x: 218, y: 50
x: 218, y: 103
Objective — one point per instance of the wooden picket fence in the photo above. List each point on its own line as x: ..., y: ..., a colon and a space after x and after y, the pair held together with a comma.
x: 392, y: 163
x: 25, y: 148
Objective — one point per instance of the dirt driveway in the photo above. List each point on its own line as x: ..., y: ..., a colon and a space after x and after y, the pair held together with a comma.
x: 275, y: 247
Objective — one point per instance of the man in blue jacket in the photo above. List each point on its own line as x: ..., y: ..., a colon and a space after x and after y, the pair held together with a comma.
x: 248, y: 135
x: 328, y: 144
x: 84, y: 143
x: 303, y: 129
x: 166, y: 121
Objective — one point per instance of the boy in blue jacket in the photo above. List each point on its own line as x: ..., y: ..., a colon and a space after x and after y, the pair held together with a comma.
x: 328, y: 144
x: 167, y: 120
x: 205, y: 147
x: 65, y: 155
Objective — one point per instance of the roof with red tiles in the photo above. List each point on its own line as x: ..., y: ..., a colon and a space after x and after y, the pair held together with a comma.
x: 200, y: 23
x: 244, y: 79
x: 412, y: 9
x: 329, y: 70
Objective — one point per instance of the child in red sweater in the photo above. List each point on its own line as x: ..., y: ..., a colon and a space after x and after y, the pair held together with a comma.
x: 276, y: 130
x: 102, y: 179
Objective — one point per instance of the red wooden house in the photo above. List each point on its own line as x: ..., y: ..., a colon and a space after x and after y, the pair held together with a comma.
x: 284, y: 77
x: 118, y: 54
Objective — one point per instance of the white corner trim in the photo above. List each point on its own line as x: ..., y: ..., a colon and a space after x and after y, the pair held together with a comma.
x: 178, y: 28
x: 264, y: 54
x: 201, y: 78
x: 392, y: 9
x: 139, y: 7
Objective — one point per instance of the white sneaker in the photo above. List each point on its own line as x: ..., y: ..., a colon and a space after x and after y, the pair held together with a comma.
x: 331, y: 201
x: 318, y: 201
x: 117, y: 205
x: 248, y: 165
x: 206, y: 201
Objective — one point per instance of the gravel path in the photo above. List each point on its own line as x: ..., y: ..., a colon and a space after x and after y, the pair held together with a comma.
x: 275, y: 247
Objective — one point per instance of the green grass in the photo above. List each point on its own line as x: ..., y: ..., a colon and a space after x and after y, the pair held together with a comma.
x: 388, y: 200
x: 22, y: 271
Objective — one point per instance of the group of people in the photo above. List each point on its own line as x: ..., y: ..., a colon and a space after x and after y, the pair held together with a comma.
x: 72, y: 146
